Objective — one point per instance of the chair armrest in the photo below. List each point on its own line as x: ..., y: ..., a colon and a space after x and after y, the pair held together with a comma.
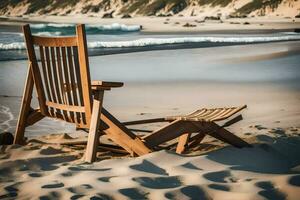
x: 105, y: 85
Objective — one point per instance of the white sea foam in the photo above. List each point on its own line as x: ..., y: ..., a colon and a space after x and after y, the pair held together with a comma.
x: 47, y: 33
x: 43, y: 26
x: 115, y: 27
x: 12, y: 46
x: 107, y: 27
x: 164, y: 41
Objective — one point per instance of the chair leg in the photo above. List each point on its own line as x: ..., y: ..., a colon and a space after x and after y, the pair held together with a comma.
x: 25, y: 109
x: 93, y: 137
x: 182, y: 143
x: 226, y: 136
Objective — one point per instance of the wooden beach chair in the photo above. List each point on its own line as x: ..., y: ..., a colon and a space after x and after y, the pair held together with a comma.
x: 65, y: 91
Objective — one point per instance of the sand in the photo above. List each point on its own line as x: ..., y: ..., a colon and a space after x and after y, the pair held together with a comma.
x: 44, y: 169
x: 269, y: 170
x: 173, y: 24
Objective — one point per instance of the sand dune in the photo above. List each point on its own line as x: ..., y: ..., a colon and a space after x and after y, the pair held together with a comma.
x: 269, y: 170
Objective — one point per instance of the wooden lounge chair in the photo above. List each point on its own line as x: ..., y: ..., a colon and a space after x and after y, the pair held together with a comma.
x: 65, y: 91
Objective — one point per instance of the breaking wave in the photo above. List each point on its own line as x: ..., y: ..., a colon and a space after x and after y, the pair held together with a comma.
x: 66, y: 29
x: 144, y: 42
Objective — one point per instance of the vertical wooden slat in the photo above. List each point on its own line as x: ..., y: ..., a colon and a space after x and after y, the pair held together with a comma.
x: 61, y: 82
x: 45, y: 76
x: 50, y: 79
x: 55, y: 79
x: 73, y: 83
x: 67, y: 80
x: 84, y: 71
x: 78, y: 78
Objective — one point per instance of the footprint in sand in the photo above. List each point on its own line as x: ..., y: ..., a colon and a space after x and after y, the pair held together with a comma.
x: 191, y: 166
x: 295, y: 180
x: 101, y: 196
x: 219, y: 187
x: 149, y: 167
x: 193, y: 192
x: 35, y: 175
x: 50, y: 151
x: 81, y: 189
x: 269, y: 191
x: 51, y: 195
x: 12, y: 191
x: 105, y: 179
x: 55, y: 184
x: 159, y: 182
x: 134, y: 193
x: 220, y: 177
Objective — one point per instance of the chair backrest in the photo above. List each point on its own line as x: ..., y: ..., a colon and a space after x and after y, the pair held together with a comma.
x: 62, y: 76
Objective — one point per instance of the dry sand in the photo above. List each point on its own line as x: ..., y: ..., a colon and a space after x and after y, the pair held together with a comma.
x: 172, y: 24
x: 269, y: 170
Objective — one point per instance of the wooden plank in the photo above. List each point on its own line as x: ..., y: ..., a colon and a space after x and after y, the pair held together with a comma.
x: 34, y: 117
x: 144, y: 121
x: 54, y: 42
x: 55, y: 79
x: 93, y: 138
x: 169, y: 132
x: 67, y: 80
x: 25, y: 108
x: 182, y: 143
x: 45, y: 76
x: 196, y: 139
x: 107, y: 84
x: 122, y: 136
x: 84, y: 70
x: 63, y: 97
x: 79, y: 84
x: 50, y: 79
x: 73, y: 83
x: 222, y: 134
x: 35, y: 68
x: 65, y: 107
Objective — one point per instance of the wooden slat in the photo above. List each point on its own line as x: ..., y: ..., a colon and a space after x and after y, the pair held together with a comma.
x: 55, y: 78
x: 182, y: 143
x: 34, y: 117
x: 79, y: 84
x: 50, y: 79
x: 144, y: 121
x: 65, y: 107
x: 63, y: 97
x: 84, y: 71
x: 66, y: 73
x: 196, y: 140
x: 122, y: 136
x: 73, y: 83
x: 107, y: 84
x: 54, y: 42
x: 93, y: 138
x: 45, y: 76
x: 25, y: 108
x: 169, y: 132
x: 221, y: 112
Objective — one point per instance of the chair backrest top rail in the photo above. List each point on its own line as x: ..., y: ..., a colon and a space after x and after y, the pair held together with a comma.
x: 55, y: 41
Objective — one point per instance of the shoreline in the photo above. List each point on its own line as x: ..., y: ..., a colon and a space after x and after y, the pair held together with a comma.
x: 167, y: 25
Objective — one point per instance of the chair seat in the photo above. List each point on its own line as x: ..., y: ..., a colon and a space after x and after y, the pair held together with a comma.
x: 208, y: 114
